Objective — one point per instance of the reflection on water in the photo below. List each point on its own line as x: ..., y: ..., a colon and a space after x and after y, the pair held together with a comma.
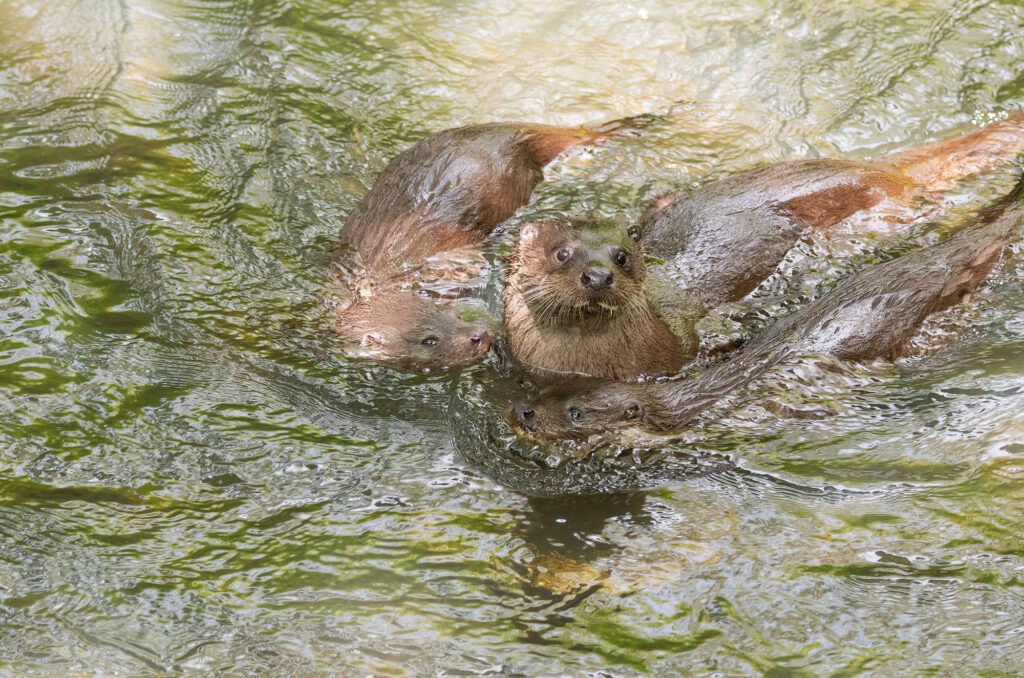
x: 192, y: 481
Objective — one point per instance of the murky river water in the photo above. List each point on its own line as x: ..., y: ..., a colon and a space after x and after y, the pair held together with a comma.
x: 191, y: 484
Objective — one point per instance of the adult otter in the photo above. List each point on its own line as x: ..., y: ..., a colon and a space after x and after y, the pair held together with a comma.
x: 871, y: 314
x: 575, y: 303
x: 447, y: 192
x: 719, y: 242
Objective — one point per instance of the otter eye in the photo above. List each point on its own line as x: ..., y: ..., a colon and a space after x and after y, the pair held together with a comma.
x: 632, y: 412
x: 562, y: 255
x: 429, y: 341
x: 621, y: 257
x: 575, y: 413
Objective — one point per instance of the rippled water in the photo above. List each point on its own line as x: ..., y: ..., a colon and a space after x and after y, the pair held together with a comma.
x: 192, y: 481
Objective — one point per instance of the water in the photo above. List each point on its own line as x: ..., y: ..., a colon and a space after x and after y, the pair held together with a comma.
x: 193, y: 483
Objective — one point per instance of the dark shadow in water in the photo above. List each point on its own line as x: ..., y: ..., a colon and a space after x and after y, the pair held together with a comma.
x: 573, y: 526
x: 566, y: 533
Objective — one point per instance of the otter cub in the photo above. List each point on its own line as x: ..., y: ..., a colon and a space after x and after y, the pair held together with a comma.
x: 576, y: 303
x: 872, y: 314
x: 447, y: 192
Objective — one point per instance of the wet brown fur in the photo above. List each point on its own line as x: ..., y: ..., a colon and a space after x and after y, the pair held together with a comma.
x: 725, y: 238
x: 721, y: 241
x: 556, y: 326
x: 453, y: 188
x: 408, y: 331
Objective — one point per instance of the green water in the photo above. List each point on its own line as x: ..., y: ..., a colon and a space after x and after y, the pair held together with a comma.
x: 192, y: 482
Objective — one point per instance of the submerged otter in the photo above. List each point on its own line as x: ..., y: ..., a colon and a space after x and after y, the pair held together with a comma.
x: 447, y: 192
x: 719, y: 242
x: 871, y: 314
x: 408, y: 331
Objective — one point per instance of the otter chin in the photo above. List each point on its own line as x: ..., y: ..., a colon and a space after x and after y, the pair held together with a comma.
x: 403, y: 330
x: 576, y: 303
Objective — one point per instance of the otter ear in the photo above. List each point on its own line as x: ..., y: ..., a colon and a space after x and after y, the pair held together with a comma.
x: 372, y: 340
x: 634, y: 411
x: 528, y: 233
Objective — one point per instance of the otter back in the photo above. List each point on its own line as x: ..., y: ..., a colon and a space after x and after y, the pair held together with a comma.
x: 722, y: 240
x: 451, y: 190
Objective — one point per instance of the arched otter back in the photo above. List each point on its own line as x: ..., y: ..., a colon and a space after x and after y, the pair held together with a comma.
x: 451, y: 190
x: 723, y: 239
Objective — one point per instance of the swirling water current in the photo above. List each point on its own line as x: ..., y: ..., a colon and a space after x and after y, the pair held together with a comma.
x: 194, y: 482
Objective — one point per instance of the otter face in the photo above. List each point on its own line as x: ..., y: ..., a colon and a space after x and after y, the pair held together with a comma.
x: 403, y: 330
x: 563, y: 412
x: 579, y: 268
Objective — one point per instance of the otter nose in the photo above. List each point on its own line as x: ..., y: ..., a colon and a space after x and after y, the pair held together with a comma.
x: 524, y: 413
x: 482, y: 338
x: 597, y: 279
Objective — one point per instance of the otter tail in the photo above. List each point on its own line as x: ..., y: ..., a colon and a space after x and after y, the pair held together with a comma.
x: 938, y: 167
x: 632, y: 125
x: 973, y: 251
x: 545, y: 143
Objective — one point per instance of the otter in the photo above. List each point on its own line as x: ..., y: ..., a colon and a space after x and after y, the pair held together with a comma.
x: 408, y: 331
x: 576, y: 303
x: 447, y: 192
x: 718, y: 243
x: 871, y: 314
x: 722, y: 240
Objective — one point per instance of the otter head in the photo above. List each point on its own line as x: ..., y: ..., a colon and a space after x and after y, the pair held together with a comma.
x: 569, y: 411
x: 578, y: 269
x: 403, y: 330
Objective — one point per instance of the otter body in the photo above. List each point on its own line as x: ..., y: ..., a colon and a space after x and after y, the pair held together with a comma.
x: 451, y: 190
x: 872, y: 314
x: 720, y: 241
x: 576, y: 304
x: 447, y: 192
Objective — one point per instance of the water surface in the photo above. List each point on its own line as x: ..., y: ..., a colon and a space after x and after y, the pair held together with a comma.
x: 192, y: 482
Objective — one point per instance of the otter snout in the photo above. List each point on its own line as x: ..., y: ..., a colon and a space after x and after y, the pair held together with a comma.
x: 481, y: 339
x: 597, y: 279
x: 525, y: 415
